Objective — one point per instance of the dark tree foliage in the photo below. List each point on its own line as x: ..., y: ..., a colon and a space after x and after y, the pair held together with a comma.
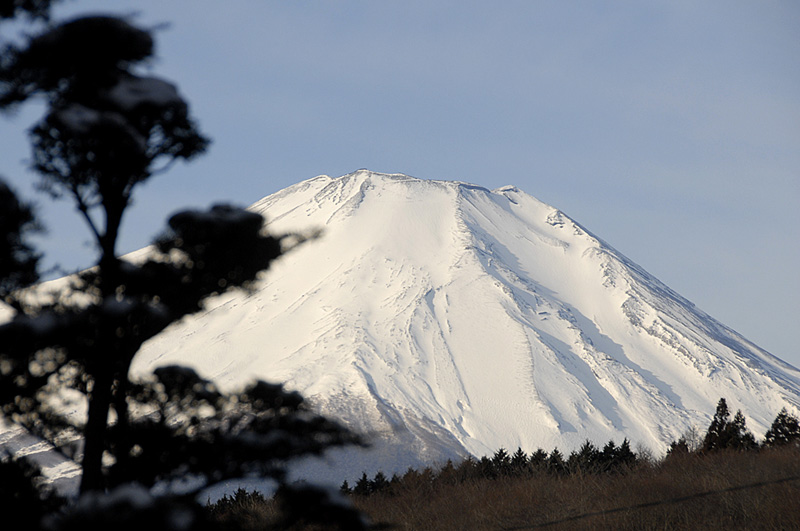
x: 363, y: 486
x: 538, y: 459
x: 785, y: 430
x: 556, y: 464
x: 520, y: 465
x: 678, y: 448
x: 742, y: 438
x: 501, y: 462
x: 448, y: 474
x: 132, y: 508
x: 724, y: 433
x: 586, y: 459
x: 106, y: 130
x: 34, y: 9
x: 18, y: 260
x: 24, y: 496
x: 485, y: 468
x: 305, y: 507
x: 611, y: 454
x: 619, y: 457
x: 310, y: 507
x: 380, y: 482
x: 195, y: 431
x: 719, y: 431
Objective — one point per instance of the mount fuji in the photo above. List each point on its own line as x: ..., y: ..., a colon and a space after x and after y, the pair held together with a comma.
x: 443, y: 319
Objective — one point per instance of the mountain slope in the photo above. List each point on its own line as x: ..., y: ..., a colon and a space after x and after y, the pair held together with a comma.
x: 449, y: 319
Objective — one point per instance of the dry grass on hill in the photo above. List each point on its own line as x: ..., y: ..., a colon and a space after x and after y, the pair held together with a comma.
x: 724, y: 490
x: 687, y: 492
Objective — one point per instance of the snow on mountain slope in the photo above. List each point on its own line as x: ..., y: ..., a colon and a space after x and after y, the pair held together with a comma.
x: 448, y: 319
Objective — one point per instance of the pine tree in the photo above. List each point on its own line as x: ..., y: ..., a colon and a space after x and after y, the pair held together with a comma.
x: 785, y: 430
x: 718, y: 431
x: 468, y: 469
x: 501, y: 462
x: 108, y: 129
x: 678, y: 448
x: 448, y: 475
x: 538, y: 459
x: 485, y: 468
x: 608, y: 456
x: 716, y: 435
x: 585, y: 459
x: 520, y: 464
x: 556, y: 463
x: 741, y: 437
x: 379, y: 482
x: 363, y: 486
x: 625, y: 456
x: 724, y: 433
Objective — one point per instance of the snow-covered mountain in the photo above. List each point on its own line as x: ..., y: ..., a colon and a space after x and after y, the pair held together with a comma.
x: 447, y: 319
x: 444, y: 319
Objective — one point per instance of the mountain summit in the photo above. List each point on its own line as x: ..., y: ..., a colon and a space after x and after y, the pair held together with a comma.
x: 447, y: 319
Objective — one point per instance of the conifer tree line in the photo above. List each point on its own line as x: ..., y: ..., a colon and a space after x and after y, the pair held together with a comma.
x: 589, y: 459
x: 723, y: 434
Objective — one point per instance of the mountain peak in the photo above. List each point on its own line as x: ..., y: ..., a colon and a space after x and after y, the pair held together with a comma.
x: 449, y: 319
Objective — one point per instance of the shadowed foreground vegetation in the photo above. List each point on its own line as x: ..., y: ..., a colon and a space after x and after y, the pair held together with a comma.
x: 727, y: 489
x: 665, y: 495
x: 721, y: 480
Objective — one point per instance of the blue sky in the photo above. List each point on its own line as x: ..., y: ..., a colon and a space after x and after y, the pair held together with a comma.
x: 670, y: 129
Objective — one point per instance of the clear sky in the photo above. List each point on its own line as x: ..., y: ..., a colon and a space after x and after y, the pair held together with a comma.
x: 670, y: 129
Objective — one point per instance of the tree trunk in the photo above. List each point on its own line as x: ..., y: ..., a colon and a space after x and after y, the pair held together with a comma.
x: 94, y: 435
x: 102, y: 360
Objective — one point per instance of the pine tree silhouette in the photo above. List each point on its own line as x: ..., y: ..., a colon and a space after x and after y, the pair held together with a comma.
x: 585, y: 459
x: 106, y: 130
x: 538, y: 459
x: 501, y: 462
x: 556, y: 463
x: 724, y: 433
x: 520, y: 465
x: 785, y: 430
